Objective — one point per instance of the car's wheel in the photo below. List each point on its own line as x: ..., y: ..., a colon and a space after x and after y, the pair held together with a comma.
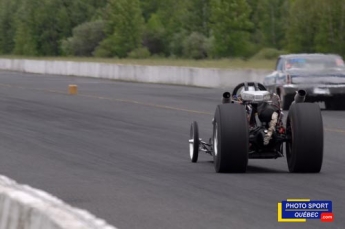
x: 304, y: 150
x: 230, y: 139
x: 337, y: 103
x: 194, y: 142
x: 286, y: 101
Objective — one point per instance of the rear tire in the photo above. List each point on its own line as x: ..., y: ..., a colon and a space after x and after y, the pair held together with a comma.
x: 286, y: 101
x: 230, y: 139
x: 304, y: 126
x: 194, y: 142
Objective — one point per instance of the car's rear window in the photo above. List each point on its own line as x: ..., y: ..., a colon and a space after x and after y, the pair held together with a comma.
x: 305, y: 63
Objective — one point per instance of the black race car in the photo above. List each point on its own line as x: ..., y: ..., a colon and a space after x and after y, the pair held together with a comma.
x: 247, y: 126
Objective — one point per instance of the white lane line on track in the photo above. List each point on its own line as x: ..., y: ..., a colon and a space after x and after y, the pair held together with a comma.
x: 134, y: 102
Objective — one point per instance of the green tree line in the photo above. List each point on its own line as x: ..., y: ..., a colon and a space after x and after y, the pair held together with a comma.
x: 171, y: 28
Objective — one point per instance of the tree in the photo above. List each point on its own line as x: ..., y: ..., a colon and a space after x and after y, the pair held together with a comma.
x: 196, y: 46
x: 24, y: 38
x: 268, y: 17
x: 198, y: 17
x: 41, y: 25
x: 302, y: 26
x: 86, y: 37
x: 330, y: 35
x: 172, y: 14
x: 153, y: 36
x: 149, y: 7
x: 230, y: 27
x: 124, y: 28
x: 8, y: 10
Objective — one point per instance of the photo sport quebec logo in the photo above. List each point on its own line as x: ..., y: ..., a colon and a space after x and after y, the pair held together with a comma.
x: 301, y: 210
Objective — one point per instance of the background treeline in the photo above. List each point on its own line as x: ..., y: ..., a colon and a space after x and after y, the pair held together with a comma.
x: 171, y: 28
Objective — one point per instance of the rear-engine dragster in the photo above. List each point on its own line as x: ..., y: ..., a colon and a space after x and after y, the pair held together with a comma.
x: 249, y: 125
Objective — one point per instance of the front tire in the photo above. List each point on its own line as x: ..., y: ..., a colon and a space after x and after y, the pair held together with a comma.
x: 230, y: 139
x: 194, y: 142
x: 304, y: 151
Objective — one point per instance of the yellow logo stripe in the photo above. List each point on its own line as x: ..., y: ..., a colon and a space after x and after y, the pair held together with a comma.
x: 298, y: 200
x: 280, y: 216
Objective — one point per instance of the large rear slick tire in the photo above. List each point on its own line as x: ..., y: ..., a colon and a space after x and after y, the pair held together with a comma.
x: 304, y: 126
x: 230, y: 139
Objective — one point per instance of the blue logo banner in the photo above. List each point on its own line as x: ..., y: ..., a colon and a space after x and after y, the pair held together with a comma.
x: 312, y: 209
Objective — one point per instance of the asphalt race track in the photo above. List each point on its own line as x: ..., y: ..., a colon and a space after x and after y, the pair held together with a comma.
x: 120, y: 151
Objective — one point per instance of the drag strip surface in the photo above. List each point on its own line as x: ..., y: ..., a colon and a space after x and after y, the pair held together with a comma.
x: 120, y: 151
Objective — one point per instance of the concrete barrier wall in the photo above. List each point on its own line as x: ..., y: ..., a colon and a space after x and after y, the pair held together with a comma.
x: 201, y: 77
x: 23, y: 207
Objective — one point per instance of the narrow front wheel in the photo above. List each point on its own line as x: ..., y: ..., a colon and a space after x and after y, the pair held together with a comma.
x: 194, y: 142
